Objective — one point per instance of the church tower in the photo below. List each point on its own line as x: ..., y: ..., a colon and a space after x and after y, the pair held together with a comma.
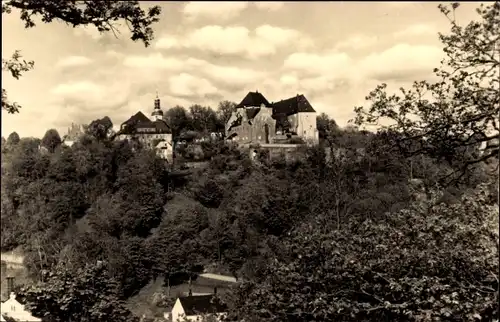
x: 157, y: 112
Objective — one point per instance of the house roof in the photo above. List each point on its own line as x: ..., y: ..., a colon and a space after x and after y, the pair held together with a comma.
x: 202, y: 304
x: 141, y: 121
x: 254, y: 99
x: 292, y: 105
x: 138, y: 117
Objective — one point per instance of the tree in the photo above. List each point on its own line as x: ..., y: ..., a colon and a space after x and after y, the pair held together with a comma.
x: 16, y: 67
x: 224, y: 111
x: 100, y: 129
x: 90, y: 294
x: 178, y: 120
x: 427, y: 262
x: 445, y: 118
x: 51, y: 140
x: 203, y: 118
x: 13, y: 139
x: 103, y: 15
x: 327, y: 127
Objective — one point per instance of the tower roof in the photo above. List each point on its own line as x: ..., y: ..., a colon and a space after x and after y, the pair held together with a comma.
x: 255, y: 99
x: 137, y: 118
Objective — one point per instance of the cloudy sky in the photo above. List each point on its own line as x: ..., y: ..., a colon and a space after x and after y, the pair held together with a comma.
x: 332, y: 52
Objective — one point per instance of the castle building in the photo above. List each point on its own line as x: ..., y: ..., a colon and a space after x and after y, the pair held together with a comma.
x: 153, y: 133
x: 75, y: 132
x: 258, y: 121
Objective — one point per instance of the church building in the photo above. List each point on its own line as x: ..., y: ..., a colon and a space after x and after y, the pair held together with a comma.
x: 258, y: 121
x: 153, y: 133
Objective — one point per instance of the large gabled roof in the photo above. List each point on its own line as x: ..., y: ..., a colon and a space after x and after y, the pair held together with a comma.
x: 254, y: 99
x: 202, y: 304
x: 293, y: 105
x: 137, y: 118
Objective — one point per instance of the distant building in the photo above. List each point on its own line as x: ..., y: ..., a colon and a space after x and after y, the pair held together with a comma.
x: 258, y: 121
x: 153, y: 133
x: 194, y: 307
x: 74, y: 133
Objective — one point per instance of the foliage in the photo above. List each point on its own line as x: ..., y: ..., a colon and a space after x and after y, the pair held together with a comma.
x: 178, y: 119
x: 327, y: 127
x: 100, y: 14
x: 419, y: 264
x: 51, y: 140
x: 16, y: 67
x: 13, y: 139
x: 100, y: 129
x: 224, y: 111
x: 90, y: 294
x: 203, y: 119
x: 460, y: 112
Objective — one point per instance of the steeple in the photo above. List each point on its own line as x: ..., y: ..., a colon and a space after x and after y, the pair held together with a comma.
x: 157, y: 102
x: 157, y: 112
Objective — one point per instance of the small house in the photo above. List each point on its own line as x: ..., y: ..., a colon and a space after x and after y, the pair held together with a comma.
x: 193, y: 308
x: 12, y: 310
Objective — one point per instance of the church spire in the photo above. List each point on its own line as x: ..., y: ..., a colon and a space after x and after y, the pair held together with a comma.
x: 157, y: 112
x: 157, y: 102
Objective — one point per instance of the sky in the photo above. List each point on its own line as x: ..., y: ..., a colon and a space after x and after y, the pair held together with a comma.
x: 334, y: 53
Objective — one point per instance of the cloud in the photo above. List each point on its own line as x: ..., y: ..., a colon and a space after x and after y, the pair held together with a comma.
x: 215, y: 9
x: 237, y: 40
x: 228, y: 75
x: 156, y: 61
x: 337, y: 63
x: 400, y: 62
x: 74, y: 61
x: 416, y: 30
x: 222, y: 10
x: 357, y: 42
x: 269, y: 6
x: 78, y: 88
x: 84, y: 101
x: 186, y: 85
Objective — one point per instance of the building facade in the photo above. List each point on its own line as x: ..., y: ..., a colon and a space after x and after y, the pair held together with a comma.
x: 258, y: 121
x: 153, y: 133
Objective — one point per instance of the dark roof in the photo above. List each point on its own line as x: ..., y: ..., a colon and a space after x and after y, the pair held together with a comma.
x: 203, y: 304
x: 252, y: 112
x: 161, y: 126
x: 138, y: 117
x: 141, y: 121
x: 254, y: 99
x: 292, y: 105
